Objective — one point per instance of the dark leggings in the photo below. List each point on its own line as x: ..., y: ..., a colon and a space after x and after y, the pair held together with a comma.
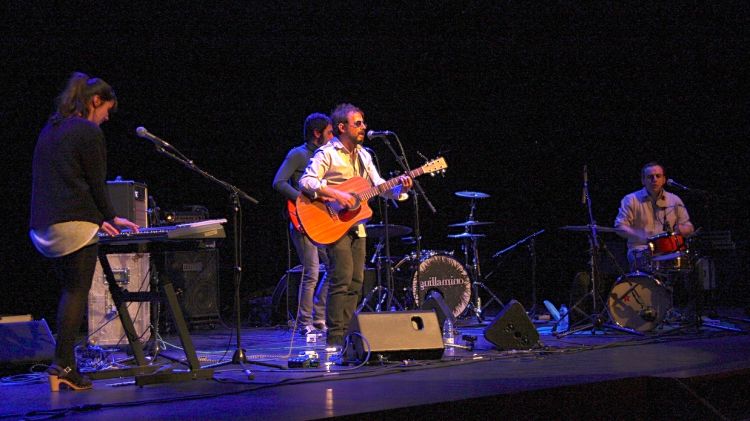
x: 74, y: 272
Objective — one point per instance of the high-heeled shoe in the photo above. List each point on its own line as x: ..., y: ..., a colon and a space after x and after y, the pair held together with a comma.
x: 67, y: 377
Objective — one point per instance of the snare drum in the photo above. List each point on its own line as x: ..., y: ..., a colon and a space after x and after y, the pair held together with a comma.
x: 669, y: 253
x: 639, y: 301
x: 445, y: 275
x: 666, y: 242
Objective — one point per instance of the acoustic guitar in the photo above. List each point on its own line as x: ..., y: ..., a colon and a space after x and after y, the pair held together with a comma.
x: 325, y: 222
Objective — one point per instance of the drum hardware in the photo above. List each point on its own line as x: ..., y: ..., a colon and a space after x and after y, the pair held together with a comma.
x: 668, y: 252
x: 379, y: 230
x: 470, y: 224
x: 639, y: 301
x: 467, y: 235
x: 529, y: 241
x: 596, y: 320
x: 472, y: 195
x: 587, y: 228
x: 445, y: 275
x: 471, y: 255
x: 382, y: 293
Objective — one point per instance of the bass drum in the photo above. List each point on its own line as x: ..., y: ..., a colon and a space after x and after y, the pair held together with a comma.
x: 639, y: 301
x: 448, y: 277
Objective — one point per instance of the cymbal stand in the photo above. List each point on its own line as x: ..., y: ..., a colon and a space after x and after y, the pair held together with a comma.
x: 596, y: 320
x: 379, y: 290
x: 471, y: 260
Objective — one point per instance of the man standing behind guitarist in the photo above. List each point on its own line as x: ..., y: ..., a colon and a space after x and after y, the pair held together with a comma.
x: 311, y: 310
x: 338, y: 161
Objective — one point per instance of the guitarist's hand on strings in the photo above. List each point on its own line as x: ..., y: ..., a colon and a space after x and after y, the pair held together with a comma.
x: 344, y: 199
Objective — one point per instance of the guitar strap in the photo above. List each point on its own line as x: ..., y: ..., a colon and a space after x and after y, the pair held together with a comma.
x: 360, y: 228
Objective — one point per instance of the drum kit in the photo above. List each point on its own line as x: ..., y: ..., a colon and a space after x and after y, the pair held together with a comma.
x: 429, y: 271
x: 641, y: 300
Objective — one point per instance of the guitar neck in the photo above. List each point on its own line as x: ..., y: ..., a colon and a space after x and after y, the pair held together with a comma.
x: 393, y: 182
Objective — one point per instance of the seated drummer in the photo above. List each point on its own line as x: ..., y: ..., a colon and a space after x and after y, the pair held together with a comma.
x: 648, y: 212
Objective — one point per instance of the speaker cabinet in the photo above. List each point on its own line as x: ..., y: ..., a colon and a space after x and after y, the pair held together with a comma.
x: 194, y: 276
x: 131, y: 272
x: 130, y: 200
x: 395, y: 336
x: 26, y: 342
x: 512, y: 329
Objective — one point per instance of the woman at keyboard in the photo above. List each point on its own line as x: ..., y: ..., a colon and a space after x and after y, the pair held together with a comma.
x: 69, y: 205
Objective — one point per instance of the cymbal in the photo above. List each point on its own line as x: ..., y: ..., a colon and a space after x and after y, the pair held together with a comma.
x: 472, y: 194
x: 466, y: 235
x: 378, y: 230
x: 582, y: 228
x: 470, y: 224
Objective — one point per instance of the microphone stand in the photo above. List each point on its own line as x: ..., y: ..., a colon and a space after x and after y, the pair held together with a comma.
x: 235, y: 194
x: 383, y: 243
x: 417, y: 191
x: 531, y: 240
x: 596, y: 320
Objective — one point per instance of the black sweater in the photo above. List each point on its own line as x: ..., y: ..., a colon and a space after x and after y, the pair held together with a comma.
x: 70, y: 166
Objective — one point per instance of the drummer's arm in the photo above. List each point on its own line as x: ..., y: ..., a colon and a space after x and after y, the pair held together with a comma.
x: 628, y: 233
x: 623, y: 221
x: 685, y: 228
x: 682, y: 225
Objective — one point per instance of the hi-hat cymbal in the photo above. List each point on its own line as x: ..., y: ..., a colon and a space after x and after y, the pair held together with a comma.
x: 587, y: 228
x: 472, y: 194
x: 378, y: 230
x: 466, y: 235
x: 470, y: 224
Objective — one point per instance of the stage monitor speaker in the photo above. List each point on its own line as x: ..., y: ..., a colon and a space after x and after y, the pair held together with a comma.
x: 132, y: 273
x: 395, y: 336
x: 130, y: 200
x: 512, y: 329
x: 194, y: 276
x: 26, y: 342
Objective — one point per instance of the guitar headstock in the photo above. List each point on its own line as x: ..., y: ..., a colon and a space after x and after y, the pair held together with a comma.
x: 437, y: 165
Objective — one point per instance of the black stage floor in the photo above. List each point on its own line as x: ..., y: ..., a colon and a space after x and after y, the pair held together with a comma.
x: 669, y: 373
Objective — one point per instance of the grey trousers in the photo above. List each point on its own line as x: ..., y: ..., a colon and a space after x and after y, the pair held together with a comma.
x: 313, y: 289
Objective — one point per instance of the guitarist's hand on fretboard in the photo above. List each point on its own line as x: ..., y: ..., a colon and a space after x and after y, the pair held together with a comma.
x: 407, y: 182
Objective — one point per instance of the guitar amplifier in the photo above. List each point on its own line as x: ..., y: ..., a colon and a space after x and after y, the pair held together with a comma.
x: 130, y: 200
x: 131, y: 272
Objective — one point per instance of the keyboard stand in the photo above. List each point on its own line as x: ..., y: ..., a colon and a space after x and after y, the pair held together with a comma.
x: 143, y: 372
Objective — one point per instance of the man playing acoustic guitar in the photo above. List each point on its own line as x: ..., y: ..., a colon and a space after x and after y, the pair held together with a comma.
x: 342, y: 159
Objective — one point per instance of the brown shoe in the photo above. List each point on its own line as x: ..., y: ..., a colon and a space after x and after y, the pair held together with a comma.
x: 67, y: 377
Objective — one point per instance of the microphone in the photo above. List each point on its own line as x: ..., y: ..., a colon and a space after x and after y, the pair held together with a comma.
x: 142, y: 132
x: 374, y: 134
x: 648, y: 314
x: 675, y: 184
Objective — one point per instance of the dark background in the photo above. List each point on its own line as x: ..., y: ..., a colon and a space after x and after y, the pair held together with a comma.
x: 517, y: 98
